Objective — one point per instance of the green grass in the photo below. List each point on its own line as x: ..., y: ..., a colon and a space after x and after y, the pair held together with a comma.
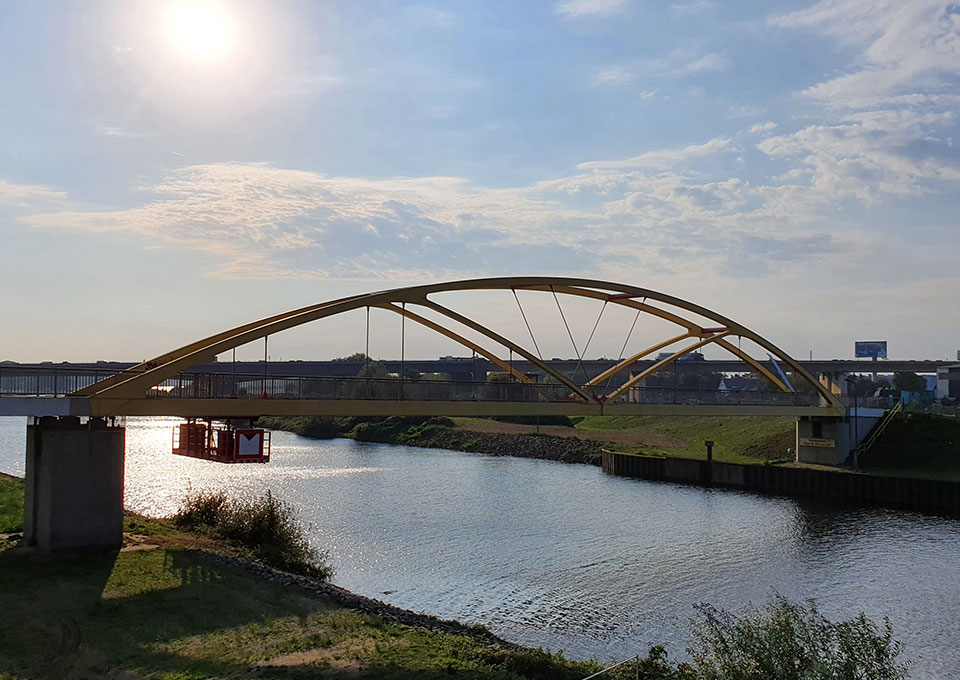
x: 740, y: 439
x: 737, y: 439
x: 176, y: 613
x: 917, y: 445
x: 11, y: 504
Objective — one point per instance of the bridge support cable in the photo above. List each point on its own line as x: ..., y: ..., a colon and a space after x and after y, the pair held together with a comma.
x: 509, y: 344
x: 527, y: 323
x: 566, y: 325
x: 469, y: 344
x: 622, y: 349
x: 666, y: 361
x: 587, y: 345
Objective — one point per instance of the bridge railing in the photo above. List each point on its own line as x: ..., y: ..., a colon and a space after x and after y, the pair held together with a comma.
x: 248, y: 386
x: 48, y: 382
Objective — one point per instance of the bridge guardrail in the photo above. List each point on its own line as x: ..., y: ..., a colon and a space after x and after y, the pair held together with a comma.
x: 59, y: 382
x: 248, y: 386
x: 47, y: 382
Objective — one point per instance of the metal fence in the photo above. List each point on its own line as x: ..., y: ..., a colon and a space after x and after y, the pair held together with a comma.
x: 47, y: 382
x: 227, y: 386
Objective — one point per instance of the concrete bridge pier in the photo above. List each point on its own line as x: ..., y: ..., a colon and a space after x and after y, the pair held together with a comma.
x: 74, y: 483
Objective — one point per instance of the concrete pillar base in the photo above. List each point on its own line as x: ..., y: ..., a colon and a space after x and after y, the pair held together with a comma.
x: 74, y: 484
x: 830, y: 440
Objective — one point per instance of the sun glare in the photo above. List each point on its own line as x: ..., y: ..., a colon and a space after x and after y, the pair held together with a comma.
x: 201, y: 31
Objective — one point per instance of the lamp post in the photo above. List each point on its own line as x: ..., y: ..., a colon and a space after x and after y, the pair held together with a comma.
x: 852, y: 385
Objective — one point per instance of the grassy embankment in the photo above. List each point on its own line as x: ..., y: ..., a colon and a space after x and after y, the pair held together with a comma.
x: 11, y: 504
x: 736, y: 439
x: 171, y: 607
x: 917, y: 445
x: 574, y: 440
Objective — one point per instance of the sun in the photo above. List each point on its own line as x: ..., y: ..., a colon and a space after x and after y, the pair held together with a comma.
x: 201, y: 31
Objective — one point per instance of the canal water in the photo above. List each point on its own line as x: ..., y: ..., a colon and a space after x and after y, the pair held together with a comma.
x: 564, y: 557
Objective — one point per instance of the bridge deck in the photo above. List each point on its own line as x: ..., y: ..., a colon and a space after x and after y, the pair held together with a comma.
x: 223, y: 395
x: 251, y: 408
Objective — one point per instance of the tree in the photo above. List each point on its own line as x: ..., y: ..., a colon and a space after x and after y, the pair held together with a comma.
x: 909, y: 382
x: 356, y: 357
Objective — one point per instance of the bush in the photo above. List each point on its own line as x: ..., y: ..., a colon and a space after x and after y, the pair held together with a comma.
x: 396, y: 429
x: 790, y: 641
x: 266, y: 527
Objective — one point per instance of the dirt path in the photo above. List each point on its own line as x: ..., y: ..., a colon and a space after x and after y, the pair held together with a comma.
x: 620, y: 437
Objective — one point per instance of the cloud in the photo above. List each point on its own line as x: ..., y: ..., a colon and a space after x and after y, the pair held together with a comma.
x: 864, y: 156
x: 261, y: 221
x: 579, y: 8
x: 714, y: 61
x: 26, y: 193
x: 891, y: 118
x: 680, y: 63
x: 115, y: 131
x: 906, y: 45
x: 664, y: 158
x: 694, y: 8
x: 267, y: 221
x: 760, y: 128
x: 616, y: 75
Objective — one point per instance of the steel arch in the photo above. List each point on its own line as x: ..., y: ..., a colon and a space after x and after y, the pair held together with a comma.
x: 135, y: 382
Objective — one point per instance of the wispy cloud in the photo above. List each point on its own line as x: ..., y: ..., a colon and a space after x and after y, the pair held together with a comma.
x: 892, y: 116
x: 907, y: 46
x: 760, y: 128
x: 262, y: 221
x: 267, y: 221
x: 26, y: 193
x: 695, y: 7
x: 115, y: 131
x: 680, y: 63
x: 614, y: 76
x: 660, y: 159
x: 580, y: 8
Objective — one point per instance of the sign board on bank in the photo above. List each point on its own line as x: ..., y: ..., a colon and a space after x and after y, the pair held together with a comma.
x: 818, y: 442
x: 876, y: 349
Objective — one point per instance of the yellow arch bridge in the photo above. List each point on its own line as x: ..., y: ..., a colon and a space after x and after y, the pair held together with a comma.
x: 165, y: 386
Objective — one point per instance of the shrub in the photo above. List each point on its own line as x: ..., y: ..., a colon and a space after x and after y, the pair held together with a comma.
x: 267, y: 527
x: 790, y: 641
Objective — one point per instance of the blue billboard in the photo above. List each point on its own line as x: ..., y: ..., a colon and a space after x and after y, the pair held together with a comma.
x: 875, y: 349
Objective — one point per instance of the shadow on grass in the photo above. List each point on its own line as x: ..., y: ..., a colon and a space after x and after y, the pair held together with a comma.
x: 180, y: 615
x: 85, y: 614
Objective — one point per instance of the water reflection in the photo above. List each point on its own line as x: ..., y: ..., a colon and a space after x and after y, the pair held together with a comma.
x: 564, y: 557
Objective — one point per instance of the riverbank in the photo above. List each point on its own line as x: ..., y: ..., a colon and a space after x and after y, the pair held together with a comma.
x: 577, y: 440
x: 179, y: 605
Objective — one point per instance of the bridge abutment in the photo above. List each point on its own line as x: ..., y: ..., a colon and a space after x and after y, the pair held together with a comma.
x: 74, y: 484
x: 830, y: 440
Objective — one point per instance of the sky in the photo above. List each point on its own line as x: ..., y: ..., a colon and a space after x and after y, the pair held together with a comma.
x: 172, y: 169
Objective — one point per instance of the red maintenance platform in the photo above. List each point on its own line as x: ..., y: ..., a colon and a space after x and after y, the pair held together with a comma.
x: 222, y: 442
